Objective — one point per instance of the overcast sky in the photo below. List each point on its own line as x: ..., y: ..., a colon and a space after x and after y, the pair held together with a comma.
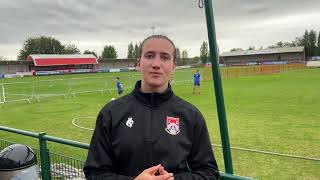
x: 91, y: 24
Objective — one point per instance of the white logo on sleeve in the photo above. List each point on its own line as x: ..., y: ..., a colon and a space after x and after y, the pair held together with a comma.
x: 129, y: 122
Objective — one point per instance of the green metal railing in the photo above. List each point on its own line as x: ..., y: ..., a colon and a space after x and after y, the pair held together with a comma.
x: 43, y: 153
x: 61, y: 166
x: 218, y: 88
x: 47, y: 157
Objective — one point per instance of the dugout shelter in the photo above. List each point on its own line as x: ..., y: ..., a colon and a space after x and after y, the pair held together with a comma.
x: 252, y: 57
x: 63, y: 63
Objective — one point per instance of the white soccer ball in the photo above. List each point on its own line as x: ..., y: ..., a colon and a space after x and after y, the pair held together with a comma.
x: 112, y: 99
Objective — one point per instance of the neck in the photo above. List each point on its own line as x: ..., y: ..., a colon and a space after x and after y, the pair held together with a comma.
x: 153, y: 89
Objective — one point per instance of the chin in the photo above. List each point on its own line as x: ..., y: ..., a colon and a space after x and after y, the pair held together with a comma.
x: 156, y: 83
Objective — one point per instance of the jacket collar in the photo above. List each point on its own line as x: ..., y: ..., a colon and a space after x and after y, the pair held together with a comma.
x: 152, y: 99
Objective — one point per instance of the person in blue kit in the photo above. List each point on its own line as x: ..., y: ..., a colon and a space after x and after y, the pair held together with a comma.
x: 119, y: 87
x: 196, y: 81
x: 151, y: 133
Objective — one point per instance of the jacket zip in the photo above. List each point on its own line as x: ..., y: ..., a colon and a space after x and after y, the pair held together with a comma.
x: 150, y: 130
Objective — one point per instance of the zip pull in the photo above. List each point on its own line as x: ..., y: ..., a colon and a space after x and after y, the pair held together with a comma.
x: 187, y: 165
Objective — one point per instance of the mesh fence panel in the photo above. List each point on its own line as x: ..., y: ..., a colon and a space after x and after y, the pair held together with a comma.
x: 50, y: 88
x: 62, y: 167
x: 65, y: 167
x: 85, y: 85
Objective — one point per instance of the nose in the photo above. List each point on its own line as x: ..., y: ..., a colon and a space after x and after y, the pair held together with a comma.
x: 156, y: 62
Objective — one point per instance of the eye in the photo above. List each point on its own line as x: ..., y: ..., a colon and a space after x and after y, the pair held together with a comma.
x: 165, y: 57
x: 148, y: 55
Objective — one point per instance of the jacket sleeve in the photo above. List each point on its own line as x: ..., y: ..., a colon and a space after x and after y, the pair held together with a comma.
x: 100, y: 159
x: 201, y: 161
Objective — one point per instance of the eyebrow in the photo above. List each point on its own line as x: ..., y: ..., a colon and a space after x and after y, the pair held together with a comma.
x: 149, y: 52
x: 164, y: 53
x: 161, y: 53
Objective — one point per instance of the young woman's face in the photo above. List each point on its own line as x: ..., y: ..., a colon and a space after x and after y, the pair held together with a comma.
x: 156, y: 65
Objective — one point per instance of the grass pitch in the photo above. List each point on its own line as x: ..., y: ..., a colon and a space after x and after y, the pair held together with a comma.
x: 277, y: 112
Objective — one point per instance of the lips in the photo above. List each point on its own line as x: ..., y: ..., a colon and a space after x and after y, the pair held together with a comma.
x: 155, y: 73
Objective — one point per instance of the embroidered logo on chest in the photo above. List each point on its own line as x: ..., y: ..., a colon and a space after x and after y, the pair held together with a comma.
x: 129, y: 122
x: 173, y: 125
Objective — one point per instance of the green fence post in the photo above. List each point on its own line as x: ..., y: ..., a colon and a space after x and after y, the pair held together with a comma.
x: 44, y: 156
x: 218, y: 88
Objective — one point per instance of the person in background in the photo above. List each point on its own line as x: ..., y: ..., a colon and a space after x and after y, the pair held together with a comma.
x: 119, y: 87
x: 196, y: 81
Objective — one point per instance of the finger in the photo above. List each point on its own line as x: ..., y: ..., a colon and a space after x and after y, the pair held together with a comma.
x: 153, y: 169
x: 164, y: 177
x: 162, y: 171
x: 158, y: 171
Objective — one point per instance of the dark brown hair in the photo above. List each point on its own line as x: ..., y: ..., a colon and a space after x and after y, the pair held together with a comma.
x: 158, y: 36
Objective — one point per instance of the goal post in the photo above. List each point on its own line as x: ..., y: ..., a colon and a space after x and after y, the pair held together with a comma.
x: 2, y: 94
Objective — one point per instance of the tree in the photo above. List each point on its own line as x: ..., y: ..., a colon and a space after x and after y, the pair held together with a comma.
x: 137, y: 50
x: 272, y: 47
x: 298, y: 41
x: 109, y: 52
x: 279, y: 44
x: 305, y: 40
x: 309, y: 40
x: 204, y: 52
x: 178, y: 57
x: 184, y: 57
x: 131, y: 53
x: 40, y: 45
x: 318, y: 45
x: 3, y: 58
x: 178, y: 54
x: 287, y: 44
x: 90, y: 52
x: 312, y: 42
x: 251, y: 48
x: 195, y: 60
x: 236, y: 49
x: 184, y: 54
x: 71, y: 49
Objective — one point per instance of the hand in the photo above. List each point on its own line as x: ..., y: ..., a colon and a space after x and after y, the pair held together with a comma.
x: 163, y: 172
x: 149, y: 174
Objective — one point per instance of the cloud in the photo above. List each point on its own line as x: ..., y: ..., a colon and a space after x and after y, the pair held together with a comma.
x: 91, y: 24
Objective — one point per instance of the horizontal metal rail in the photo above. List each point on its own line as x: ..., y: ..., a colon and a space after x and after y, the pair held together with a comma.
x: 44, y: 159
x: 271, y: 153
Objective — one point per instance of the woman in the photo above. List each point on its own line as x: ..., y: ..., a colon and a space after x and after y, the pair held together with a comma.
x: 151, y: 134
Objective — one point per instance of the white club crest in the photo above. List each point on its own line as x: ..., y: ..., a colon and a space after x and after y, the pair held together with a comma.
x: 129, y: 122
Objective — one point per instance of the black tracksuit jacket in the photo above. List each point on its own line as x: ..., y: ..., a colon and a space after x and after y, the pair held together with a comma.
x: 121, y: 151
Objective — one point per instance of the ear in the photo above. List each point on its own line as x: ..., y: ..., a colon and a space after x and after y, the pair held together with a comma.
x: 138, y: 65
x: 174, y: 67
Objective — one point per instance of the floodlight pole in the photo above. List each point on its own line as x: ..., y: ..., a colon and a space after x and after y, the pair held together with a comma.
x: 218, y: 87
x: 152, y: 27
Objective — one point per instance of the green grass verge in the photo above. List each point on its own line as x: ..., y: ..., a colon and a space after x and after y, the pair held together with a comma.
x: 278, y: 113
